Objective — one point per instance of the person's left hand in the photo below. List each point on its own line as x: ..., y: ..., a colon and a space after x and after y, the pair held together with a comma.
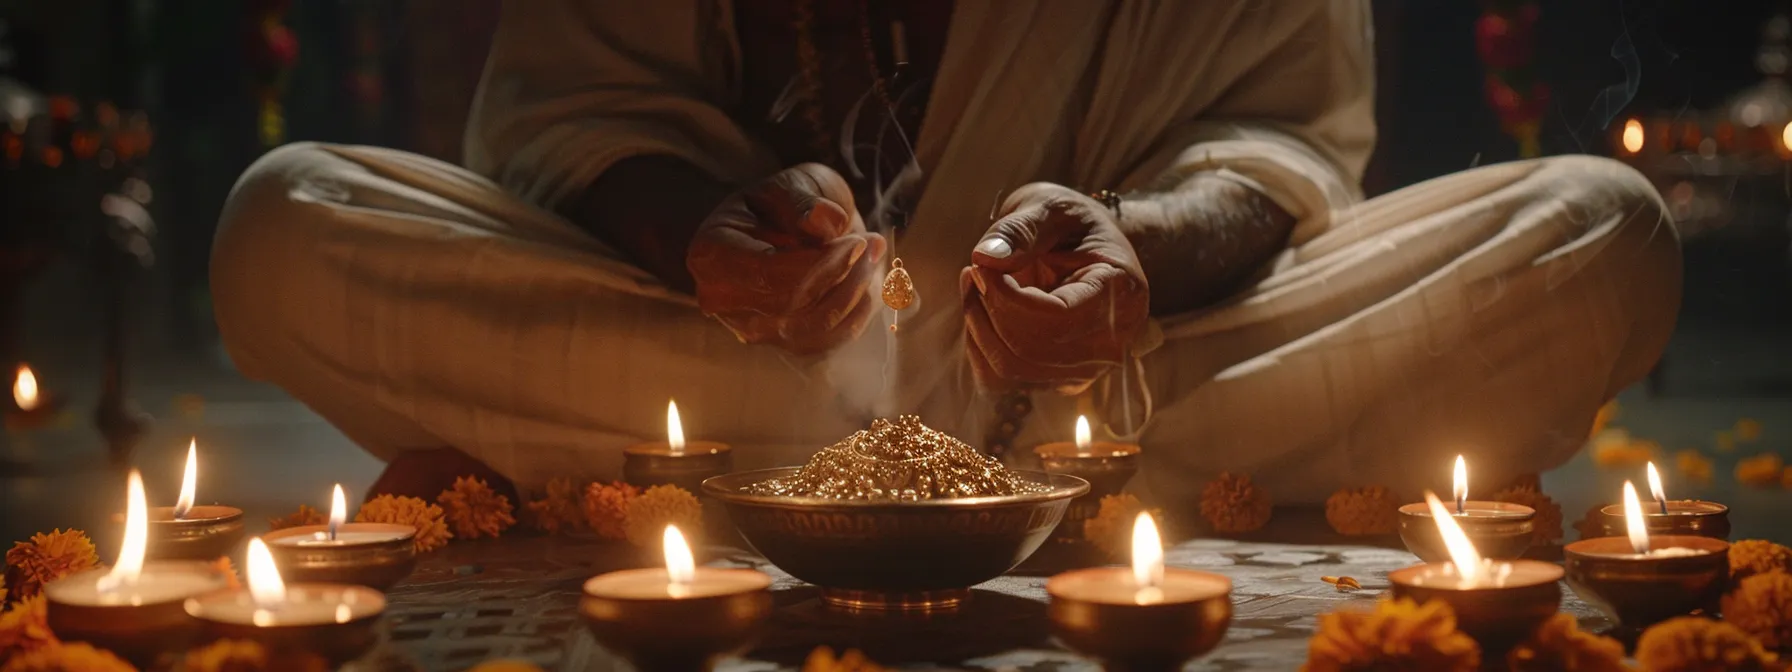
x: 1054, y: 293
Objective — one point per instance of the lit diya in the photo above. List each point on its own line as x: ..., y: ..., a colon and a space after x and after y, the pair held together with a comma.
x: 376, y: 555
x: 188, y: 532
x: 1497, y: 529
x: 1107, y: 466
x: 675, y: 461
x: 898, y: 516
x: 32, y: 408
x: 334, y: 621
x: 134, y: 608
x: 682, y: 617
x: 1641, y: 578
x: 1671, y: 517
x: 1149, y: 618
x: 1497, y: 602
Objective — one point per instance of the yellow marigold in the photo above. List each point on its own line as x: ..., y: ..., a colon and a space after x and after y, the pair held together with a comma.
x: 240, y: 655
x: 1604, y: 417
x: 657, y: 507
x: 1758, y: 556
x: 559, y: 509
x: 822, y: 660
x: 1694, y: 465
x: 1747, y: 429
x: 1616, y: 448
x: 1232, y: 504
x: 1547, y: 526
x: 1761, y: 470
x: 606, y: 508
x: 1110, y: 529
x: 25, y: 627
x: 505, y: 666
x: 1694, y: 644
x: 1363, y: 511
x: 1395, y: 635
x: 68, y: 658
x: 46, y: 558
x: 304, y: 516
x: 1559, y: 646
x: 1761, y: 605
x: 1724, y: 441
x: 432, y: 530
x: 224, y: 566
x: 474, y: 510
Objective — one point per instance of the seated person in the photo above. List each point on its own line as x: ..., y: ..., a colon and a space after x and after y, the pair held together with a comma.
x: 697, y: 200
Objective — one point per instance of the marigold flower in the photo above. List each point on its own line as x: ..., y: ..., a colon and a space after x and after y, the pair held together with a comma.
x: 1747, y: 429
x: 1559, y: 645
x: 78, y: 657
x: 1396, y: 635
x: 46, y: 558
x: 1762, y: 470
x: 25, y: 627
x: 239, y: 655
x: 1110, y: 529
x: 474, y: 510
x: 1547, y: 525
x: 304, y: 516
x: 560, y: 508
x: 822, y: 660
x: 1694, y: 644
x: 1749, y: 557
x: 1693, y: 465
x: 1233, y: 504
x: 1761, y: 605
x: 1363, y: 511
x: 606, y: 508
x: 432, y: 529
x: 659, y: 506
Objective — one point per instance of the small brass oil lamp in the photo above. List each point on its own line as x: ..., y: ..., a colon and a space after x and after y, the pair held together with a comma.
x: 334, y: 621
x: 375, y: 555
x: 1147, y: 617
x: 1641, y: 578
x: 1107, y: 466
x: 188, y: 532
x: 675, y: 461
x: 1498, y: 603
x: 682, y: 617
x: 1499, y: 530
x: 1684, y: 517
x: 32, y: 408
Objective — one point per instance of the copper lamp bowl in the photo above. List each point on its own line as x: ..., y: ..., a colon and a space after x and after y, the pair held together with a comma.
x: 1499, y: 530
x: 1140, y: 637
x: 894, y: 555
x: 1496, y: 617
x: 1684, y: 517
x: 1637, y: 592
x: 377, y: 565
x: 683, y: 634
x: 206, y: 533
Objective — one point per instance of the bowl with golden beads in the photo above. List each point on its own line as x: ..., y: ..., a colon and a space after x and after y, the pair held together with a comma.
x: 896, y: 517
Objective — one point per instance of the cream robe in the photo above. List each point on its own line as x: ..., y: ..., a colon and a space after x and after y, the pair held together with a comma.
x: 415, y: 304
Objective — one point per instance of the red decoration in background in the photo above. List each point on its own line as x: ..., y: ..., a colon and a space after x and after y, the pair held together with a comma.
x: 273, y: 49
x: 1506, y: 40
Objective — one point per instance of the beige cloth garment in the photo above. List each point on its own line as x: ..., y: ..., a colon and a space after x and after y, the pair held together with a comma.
x: 416, y: 304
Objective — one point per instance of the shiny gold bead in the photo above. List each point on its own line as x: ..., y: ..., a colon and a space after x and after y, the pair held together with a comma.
x: 899, y: 289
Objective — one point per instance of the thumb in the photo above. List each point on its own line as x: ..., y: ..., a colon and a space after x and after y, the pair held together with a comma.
x: 1016, y: 240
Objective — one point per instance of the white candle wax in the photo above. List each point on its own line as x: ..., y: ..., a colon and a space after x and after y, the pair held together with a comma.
x: 656, y: 584
x: 322, y: 539
x: 159, y: 582
x: 305, y: 604
x: 1116, y: 585
x: 1494, y: 574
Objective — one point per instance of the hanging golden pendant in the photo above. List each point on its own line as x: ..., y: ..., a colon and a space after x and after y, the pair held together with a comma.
x: 899, y: 290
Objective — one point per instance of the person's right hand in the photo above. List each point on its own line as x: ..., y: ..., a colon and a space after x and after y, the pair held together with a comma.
x: 788, y: 262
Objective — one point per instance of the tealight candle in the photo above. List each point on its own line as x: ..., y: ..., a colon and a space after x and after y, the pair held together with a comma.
x: 1497, y: 602
x: 31, y: 407
x: 682, y: 617
x: 1107, y: 466
x: 188, y: 532
x: 1147, y: 616
x: 1498, y: 529
x: 675, y: 461
x: 334, y: 621
x: 376, y: 555
x: 1641, y: 579
x: 1671, y: 517
x: 134, y: 608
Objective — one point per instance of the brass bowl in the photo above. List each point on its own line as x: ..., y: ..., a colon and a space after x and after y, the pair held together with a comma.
x: 378, y: 564
x: 1684, y: 517
x: 1496, y: 617
x: 1106, y: 466
x: 1162, y: 636
x: 1499, y: 530
x: 894, y: 555
x: 1637, y: 592
x: 207, y: 533
x: 677, y: 634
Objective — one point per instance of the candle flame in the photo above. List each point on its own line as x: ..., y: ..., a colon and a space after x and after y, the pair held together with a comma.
x: 338, y: 509
x: 1786, y: 136
x: 1633, y: 520
x: 674, y: 429
x: 1082, y: 434
x: 680, y: 566
x: 1462, y: 551
x: 1459, y: 487
x: 265, y: 586
x: 188, y: 481
x: 24, y: 389
x: 1633, y: 136
x: 1147, y: 552
x: 1655, y: 489
x: 136, y: 538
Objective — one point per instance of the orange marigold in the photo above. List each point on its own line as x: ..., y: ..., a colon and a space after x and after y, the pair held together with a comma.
x: 1232, y: 504
x: 474, y: 510
x: 1396, y: 635
x: 304, y: 516
x: 1559, y: 646
x: 1110, y: 529
x: 1693, y: 465
x: 505, y: 666
x: 1616, y: 448
x: 1604, y: 417
x: 657, y: 507
x: 432, y: 530
x: 241, y: 655
x: 1761, y: 470
x: 1547, y: 526
x: 68, y: 658
x: 1724, y: 441
x: 1761, y: 606
x: 25, y: 627
x: 1758, y: 556
x: 822, y: 660
x: 606, y: 508
x: 46, y: 558
x: 559, y: 509
x: 1747, y: 429
x: 1694, y: 644
x: 1363, y: 511
x: 223, y: 566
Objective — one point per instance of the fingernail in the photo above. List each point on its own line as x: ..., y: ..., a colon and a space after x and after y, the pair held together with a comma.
x: 995, y: 248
